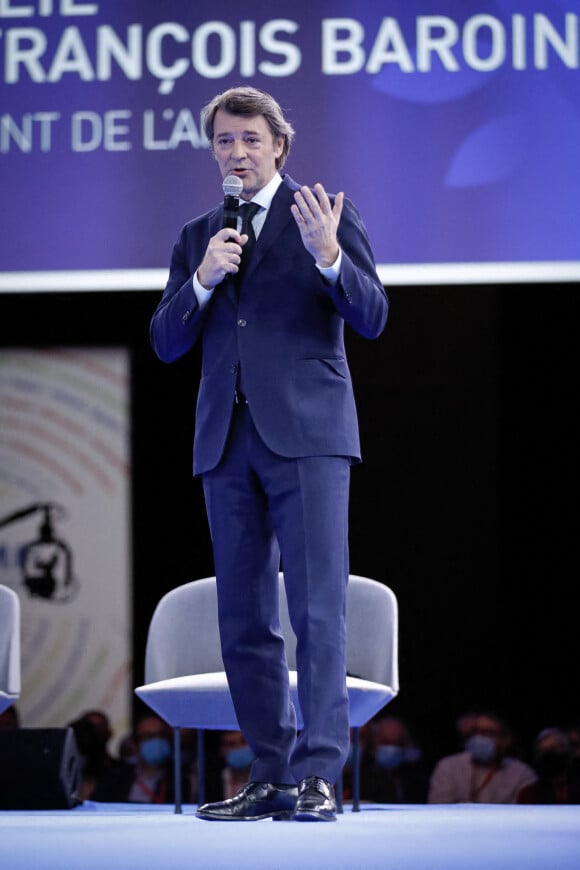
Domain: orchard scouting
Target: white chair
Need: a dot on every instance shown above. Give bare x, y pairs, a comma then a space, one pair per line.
185, 680
9, 647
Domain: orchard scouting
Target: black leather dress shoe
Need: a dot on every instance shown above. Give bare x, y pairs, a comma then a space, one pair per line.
256, 800
316, 801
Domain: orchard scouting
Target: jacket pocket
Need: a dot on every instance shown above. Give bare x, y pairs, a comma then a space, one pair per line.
317, 366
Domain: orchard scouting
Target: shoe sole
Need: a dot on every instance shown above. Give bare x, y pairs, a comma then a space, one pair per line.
276, 817
304, 816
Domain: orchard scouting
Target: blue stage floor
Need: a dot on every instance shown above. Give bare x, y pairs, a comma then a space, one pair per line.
133, 837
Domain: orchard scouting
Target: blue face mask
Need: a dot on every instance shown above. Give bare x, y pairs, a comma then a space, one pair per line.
389, 756
156, 750
239, 758
481, 748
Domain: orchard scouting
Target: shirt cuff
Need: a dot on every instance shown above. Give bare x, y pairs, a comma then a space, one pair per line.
331, 273
203, 295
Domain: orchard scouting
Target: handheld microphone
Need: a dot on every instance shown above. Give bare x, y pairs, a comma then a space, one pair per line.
232, 187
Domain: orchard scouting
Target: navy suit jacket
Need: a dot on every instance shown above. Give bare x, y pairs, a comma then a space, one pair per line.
285, 330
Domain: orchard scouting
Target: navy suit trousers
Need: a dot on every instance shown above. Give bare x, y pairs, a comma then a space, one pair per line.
262, 509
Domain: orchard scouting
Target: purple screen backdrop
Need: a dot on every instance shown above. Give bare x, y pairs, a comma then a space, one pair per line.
455, 127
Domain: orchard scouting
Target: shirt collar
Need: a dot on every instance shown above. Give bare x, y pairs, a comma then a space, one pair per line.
265, 196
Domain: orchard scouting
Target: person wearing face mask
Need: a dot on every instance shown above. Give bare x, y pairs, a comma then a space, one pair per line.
552, 759
92, 733
392, 771
152, 780
104, 777
237, 758
484, 772
348, 769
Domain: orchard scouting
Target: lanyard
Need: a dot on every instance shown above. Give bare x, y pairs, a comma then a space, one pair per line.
476, 790
156, 796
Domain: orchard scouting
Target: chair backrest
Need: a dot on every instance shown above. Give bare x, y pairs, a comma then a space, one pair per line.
9, 647
372, 639
183, 636
372, 632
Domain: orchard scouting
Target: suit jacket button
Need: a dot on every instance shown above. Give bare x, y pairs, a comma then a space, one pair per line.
233, 368
242, 322
185, 317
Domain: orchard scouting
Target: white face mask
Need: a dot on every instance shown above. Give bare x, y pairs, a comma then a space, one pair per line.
481, 748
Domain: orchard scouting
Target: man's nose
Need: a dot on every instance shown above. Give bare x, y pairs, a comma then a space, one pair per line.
239, 149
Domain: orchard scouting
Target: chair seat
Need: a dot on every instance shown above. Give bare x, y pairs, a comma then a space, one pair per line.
204, 700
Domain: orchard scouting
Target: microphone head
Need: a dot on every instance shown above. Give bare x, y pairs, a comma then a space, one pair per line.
232, 185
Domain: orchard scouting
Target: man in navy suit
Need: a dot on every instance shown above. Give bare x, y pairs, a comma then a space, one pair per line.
276, 432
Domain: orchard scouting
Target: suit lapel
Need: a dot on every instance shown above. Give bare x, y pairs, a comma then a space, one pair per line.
216, 219
279, 216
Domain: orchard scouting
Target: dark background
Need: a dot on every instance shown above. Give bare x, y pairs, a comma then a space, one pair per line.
465, 504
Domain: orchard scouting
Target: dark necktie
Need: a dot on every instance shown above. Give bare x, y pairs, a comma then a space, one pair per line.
247, 212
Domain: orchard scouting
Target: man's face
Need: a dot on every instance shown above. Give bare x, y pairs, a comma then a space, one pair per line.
245, 147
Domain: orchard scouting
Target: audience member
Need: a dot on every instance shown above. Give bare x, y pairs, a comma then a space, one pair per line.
573, 732
128, 749
558, 782
145, 775
485, 772
465, 726
92, 732
347, 772
188, 743
392, 771
9, 718
237, 758
153, 779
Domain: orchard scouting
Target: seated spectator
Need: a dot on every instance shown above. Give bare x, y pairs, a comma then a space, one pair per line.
558, 782
347, 772
92, 732
188, 743
573, 732
237, 758
9, 718
485, 772
153, 778
465, 726
146, 775
128, 749
392, 771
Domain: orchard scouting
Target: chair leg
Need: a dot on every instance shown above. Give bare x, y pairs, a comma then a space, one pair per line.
355, 771
177, 768
200, 767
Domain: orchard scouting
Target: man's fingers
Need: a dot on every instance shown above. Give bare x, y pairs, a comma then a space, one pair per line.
315, 203
226, 234
302, 204
297, 213
323, 199
337, 207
